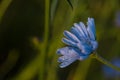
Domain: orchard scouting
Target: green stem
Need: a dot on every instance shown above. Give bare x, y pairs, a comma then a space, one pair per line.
101, 59
45, 42
47, 14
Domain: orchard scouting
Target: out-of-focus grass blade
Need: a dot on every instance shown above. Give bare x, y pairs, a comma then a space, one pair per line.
3, 7
45, 42
52, 64
69, 2
9, 63
31, 69
53, 8
82, 70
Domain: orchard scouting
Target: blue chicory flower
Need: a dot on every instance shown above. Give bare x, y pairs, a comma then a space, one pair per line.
81, 41
109, 72
117, 19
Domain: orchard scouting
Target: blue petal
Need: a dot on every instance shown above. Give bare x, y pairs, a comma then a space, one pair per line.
70, 54
84, 47
83, 57
69, 57
84, 29
94, 45
71, 36
78, 34
79, 28
67, 62
62, 58
63, 51
91, 28
68, 42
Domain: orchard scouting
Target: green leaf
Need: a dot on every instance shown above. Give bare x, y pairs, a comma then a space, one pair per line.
69, 2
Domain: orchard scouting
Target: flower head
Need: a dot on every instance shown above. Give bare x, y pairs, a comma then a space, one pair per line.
81, 41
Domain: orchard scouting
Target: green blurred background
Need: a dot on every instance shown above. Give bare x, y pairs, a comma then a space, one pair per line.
31, 32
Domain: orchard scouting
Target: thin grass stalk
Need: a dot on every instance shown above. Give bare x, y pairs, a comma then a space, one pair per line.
3, 7
45, 42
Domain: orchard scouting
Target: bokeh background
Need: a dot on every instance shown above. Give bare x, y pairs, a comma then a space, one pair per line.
31, 32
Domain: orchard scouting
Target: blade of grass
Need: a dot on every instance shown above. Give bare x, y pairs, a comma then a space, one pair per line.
3, 7
9, 63
53, 8
45, 42
30, 70
52, 68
